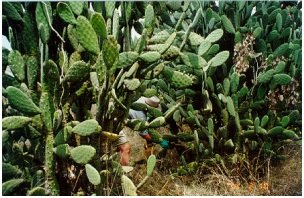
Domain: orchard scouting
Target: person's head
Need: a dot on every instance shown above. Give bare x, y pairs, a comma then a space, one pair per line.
153, 101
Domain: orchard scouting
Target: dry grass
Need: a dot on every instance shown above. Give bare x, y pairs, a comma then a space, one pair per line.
284, 178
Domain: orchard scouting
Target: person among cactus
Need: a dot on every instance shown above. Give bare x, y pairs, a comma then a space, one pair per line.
123, 145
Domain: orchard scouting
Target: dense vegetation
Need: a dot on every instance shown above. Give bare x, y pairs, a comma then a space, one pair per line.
231, 71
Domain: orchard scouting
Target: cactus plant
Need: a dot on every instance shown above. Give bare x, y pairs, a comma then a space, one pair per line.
87, 127
92, 174
83, 154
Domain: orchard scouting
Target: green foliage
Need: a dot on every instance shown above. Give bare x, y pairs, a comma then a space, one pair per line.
110, 53
215, 35
181, 80
86, 35
266, 77
92, 174
76, 7
15, 122
83, 154
151, 164
65, 13
9, 171
37, 191
10, 11
17, 65
128, 186
87, 127
219, 59
9, 186
79, 71
227, 24
99, 25
62, 150
150, 57
20, 101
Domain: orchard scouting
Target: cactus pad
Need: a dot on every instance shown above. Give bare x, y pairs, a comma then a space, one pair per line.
76, 6
204, 47
168, 43
280, 68
284, 121
281, 79
226, 86
32, 66
79, 71
127, 59
157, 122
264, 120
193, 60
229, 144
281, 50
87, 127
210, 126
20, 101
9, 171
230, 106
289, 134
257, 32
151, 164
43, 16
15, 122
110, 7
275, 131
149, 16
9, 186
63, 136
160, 37
219, 59
30, 34
215, 35
17, 65
99, 25
227, 24
110, 53
65, 12
234, 82
128, 186
150, 57
181, 80
150, 92
86, 35
294, 116
62, 150
154, 112
83, 154
138, 106
10, 11
37, 191
132, 84
92, 174
71, 32
185, 137
266, 77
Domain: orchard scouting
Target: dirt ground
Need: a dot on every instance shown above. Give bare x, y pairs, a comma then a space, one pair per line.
283, 179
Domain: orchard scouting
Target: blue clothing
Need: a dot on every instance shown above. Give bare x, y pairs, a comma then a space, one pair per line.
164, 144
139, 114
